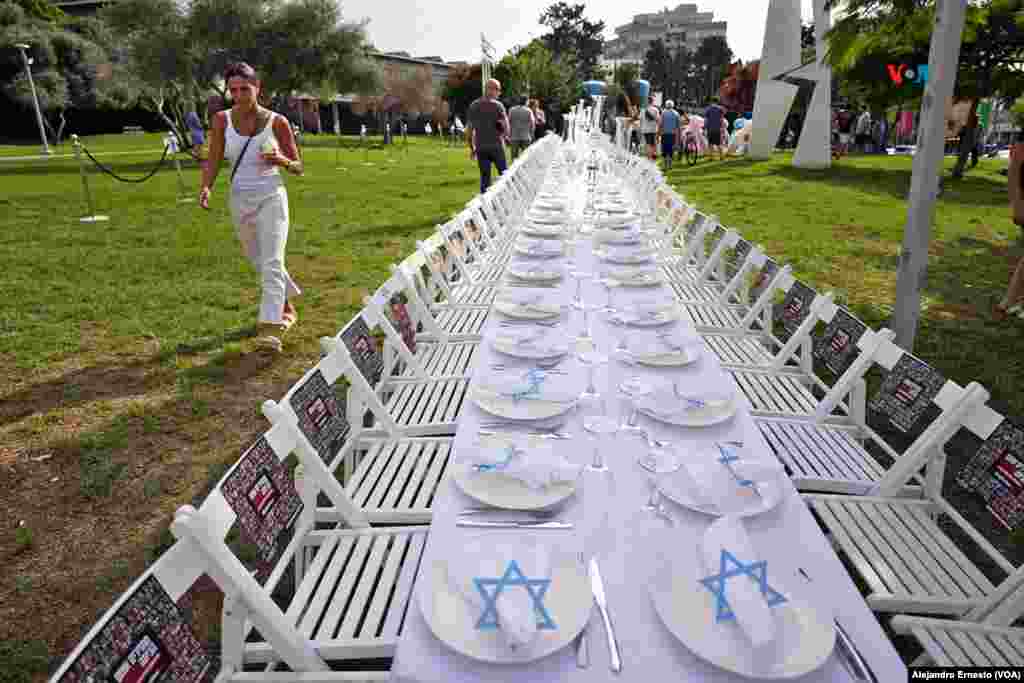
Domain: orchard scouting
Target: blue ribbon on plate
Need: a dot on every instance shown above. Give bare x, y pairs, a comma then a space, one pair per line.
534, 379
510, 454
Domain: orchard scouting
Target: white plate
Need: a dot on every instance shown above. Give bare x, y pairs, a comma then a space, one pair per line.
496, 490
677, 490
524, 251
625, 258
543, 230
527, 409
696, 417
528, 311
547, 218
669, 315
804, 636
669, 359
534, 274
453, 620
528, 351
647, 279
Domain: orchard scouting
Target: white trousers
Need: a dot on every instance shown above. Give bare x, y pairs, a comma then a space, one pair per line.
261, 221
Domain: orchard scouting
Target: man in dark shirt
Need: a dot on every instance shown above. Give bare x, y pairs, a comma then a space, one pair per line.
488, 129
714, 117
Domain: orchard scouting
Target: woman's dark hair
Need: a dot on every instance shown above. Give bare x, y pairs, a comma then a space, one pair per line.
240, 69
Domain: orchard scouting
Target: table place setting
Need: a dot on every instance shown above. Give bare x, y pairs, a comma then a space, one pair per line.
646, 314
626, 255
721, 479
537, 248
527, 306
527, 395
547, 217
636, 276
628, 236
510, 601
734, 610
530, 343
538, 274
544, 230
669, 348
700, 408
516, 471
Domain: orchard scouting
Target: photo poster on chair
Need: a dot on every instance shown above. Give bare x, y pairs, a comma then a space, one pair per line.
398, 315
906, 393
147, 639
793, 310
364, 350
321, 414
261, 491
836, 349
996, 474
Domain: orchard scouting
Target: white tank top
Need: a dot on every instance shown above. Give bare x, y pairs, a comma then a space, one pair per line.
254, 174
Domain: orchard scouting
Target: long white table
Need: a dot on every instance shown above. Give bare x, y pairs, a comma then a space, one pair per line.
787, 537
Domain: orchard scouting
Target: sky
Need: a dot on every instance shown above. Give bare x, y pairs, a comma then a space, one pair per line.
451, 28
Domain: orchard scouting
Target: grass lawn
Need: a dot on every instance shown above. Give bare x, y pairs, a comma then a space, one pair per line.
125, 381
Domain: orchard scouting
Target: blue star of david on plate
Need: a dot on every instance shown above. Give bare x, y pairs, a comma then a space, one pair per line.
758, 571
513, 576
729, 457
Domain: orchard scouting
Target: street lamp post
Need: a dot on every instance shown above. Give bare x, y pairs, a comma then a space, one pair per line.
31, 84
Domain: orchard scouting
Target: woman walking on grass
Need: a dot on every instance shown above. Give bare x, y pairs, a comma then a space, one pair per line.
257, 142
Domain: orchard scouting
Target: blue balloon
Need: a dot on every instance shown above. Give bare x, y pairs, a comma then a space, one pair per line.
593, 88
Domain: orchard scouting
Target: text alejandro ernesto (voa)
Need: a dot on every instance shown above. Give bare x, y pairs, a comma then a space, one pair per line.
965, 674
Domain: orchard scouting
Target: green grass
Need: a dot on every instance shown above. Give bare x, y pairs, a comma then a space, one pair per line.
174, 272
841, 229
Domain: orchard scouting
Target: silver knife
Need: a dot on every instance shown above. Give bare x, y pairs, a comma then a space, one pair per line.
512, 524
851, 657
597, 586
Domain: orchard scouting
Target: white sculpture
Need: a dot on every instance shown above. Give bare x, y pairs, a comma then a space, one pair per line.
781, 53
815, 147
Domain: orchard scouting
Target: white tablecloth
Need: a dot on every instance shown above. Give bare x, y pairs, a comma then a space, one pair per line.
787, 537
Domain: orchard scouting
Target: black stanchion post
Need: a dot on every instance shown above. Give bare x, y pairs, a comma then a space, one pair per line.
92, 216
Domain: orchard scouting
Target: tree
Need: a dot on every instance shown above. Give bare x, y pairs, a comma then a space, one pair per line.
873, 34
657, 66
573, 39
464, 84
711, 63
533, 71
176, 52
68, 59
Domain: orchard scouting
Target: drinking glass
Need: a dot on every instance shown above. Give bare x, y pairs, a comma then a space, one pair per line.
591, 359
609, 285
579, 276
600, 425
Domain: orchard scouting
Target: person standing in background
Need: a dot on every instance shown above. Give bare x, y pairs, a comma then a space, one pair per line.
668, 127
488, 128
521, 122
714, 118
649, 129
863, 128
540, 121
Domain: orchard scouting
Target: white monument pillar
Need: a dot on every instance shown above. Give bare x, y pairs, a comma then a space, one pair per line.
781, 53
815, 147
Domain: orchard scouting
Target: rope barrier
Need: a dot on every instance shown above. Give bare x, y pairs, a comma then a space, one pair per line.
143, 179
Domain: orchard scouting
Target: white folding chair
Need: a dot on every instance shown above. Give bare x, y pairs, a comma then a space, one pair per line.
352, 585
411, 407
440, 323
389, 479
446, 276
388, 310
898, 545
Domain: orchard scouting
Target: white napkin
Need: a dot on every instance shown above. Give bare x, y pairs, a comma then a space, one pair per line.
644, 313
533, 272
535, 464
753, 615
530, 340
517, 386
628, 236
484, 558
707, 481
671, 343
547, 247
664, 403
628, 254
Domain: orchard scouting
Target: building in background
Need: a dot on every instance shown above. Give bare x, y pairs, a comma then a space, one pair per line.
681, 27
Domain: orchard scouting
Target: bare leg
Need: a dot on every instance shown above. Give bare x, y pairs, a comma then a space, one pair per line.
1015, 292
